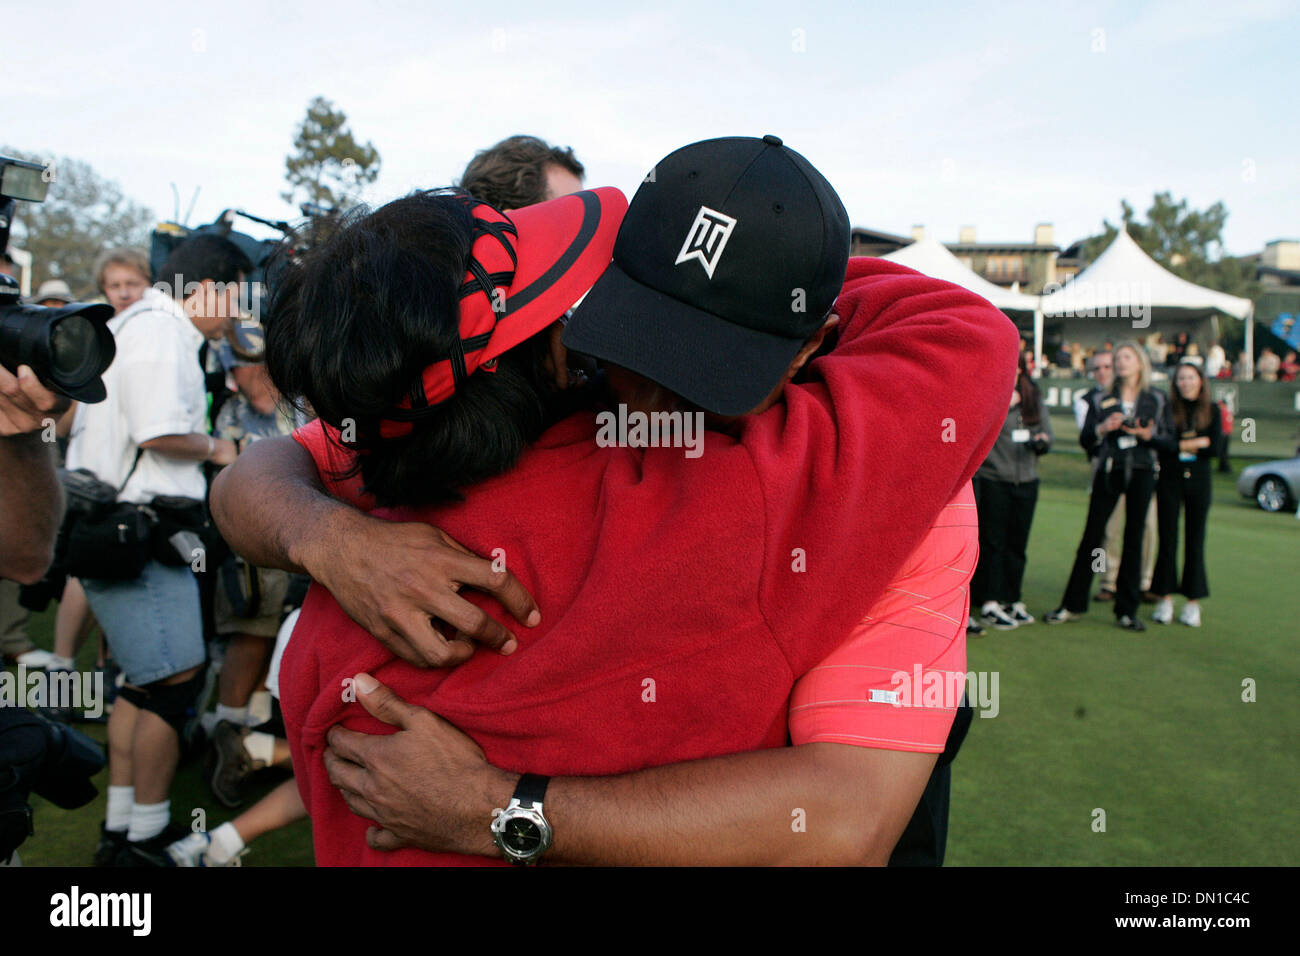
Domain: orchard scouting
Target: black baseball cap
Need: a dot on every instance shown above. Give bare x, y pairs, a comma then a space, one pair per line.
730, 257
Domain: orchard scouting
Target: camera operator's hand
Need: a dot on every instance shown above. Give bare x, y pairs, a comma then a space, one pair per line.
1141, 431
392, 579
1113, 422
26, 404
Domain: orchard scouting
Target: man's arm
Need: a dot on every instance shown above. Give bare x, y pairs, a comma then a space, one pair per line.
31, 500
272, 508
429, 785
255, 385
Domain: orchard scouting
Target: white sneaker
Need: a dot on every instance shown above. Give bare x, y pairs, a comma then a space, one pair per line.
189, 851
1164, 611
1019, 613
35, 659
993, 615
1191, 615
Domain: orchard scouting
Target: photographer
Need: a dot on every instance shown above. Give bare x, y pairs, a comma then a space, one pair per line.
1124, 429
1006, 492
148, 441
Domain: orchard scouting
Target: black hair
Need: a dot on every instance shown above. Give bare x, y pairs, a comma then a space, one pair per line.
204, 257
352, 325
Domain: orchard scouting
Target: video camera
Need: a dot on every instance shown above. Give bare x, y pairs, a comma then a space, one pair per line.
68, 347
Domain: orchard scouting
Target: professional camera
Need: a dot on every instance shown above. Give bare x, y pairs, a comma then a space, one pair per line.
69, 347
39, 756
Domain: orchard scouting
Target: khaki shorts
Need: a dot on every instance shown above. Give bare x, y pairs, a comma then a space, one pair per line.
274, 586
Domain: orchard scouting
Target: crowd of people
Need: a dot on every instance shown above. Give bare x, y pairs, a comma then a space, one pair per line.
1073, 359
1151, 456
691, 642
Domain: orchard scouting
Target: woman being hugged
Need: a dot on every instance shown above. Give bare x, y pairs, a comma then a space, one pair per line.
1185, 482
1126, 428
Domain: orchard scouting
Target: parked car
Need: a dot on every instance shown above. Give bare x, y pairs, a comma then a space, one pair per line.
1273, 484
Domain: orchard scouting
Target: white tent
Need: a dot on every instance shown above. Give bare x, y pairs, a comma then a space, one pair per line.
930, 257
1124, 282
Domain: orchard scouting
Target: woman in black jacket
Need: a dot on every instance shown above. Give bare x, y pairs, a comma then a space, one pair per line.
1185, 461
1125, 427
1006, 492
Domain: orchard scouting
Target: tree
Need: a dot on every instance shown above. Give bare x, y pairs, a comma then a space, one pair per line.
328, 166
82, 215
1187, 242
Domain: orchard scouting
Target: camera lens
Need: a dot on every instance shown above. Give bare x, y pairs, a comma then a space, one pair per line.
72, 341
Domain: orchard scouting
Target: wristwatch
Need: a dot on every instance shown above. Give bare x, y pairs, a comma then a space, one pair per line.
521, 831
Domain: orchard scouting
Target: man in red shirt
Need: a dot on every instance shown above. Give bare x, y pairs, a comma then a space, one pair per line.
912, 329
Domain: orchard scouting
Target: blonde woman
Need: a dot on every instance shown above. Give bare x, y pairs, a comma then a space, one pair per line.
1125, 428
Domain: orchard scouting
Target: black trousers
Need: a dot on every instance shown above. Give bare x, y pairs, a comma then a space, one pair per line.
1105, 494
1184, 485
1006, 512
925, 838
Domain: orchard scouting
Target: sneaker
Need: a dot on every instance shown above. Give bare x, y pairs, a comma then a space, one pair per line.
1019, 613
993, 615
152, 852
973, 627
1130, 623
190, 850
229, 764
35, 659
1191, 615
1060, 616
1105, 594
1164, 612
111, 843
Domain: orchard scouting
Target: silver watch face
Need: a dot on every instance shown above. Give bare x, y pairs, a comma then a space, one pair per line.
522, 834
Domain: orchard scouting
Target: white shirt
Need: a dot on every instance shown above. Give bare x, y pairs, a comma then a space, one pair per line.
155, 388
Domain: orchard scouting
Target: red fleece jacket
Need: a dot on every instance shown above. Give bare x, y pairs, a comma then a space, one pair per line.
682, 597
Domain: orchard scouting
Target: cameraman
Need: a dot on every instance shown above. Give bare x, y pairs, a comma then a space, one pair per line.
149, 439
31, 501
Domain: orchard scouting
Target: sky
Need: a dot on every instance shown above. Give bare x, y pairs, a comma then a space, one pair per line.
997, 115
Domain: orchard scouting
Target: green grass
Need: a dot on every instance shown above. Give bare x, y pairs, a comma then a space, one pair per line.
1149, 727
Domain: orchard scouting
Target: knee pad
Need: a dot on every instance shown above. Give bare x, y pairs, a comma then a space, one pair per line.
174, 703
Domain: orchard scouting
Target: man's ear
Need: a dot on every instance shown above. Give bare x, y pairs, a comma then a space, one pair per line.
811, 346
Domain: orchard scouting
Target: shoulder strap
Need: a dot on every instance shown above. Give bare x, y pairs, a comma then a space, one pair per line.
138, 452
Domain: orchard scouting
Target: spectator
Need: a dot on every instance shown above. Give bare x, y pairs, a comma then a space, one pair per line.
53, 293
1289, 367
1185, 483
1225, 429
122, 275
1268, 365
1157, 348
1215, 360
1123, 428
1193, 355
520, 171
1006, 491
148, 439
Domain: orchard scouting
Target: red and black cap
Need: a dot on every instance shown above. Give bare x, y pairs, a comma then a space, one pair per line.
730, 257
526, 269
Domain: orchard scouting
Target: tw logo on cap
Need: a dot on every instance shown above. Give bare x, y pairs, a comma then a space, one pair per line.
706, 239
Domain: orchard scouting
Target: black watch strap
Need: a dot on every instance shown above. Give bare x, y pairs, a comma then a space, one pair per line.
531, 790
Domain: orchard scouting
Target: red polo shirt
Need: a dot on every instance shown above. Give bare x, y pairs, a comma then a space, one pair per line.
683, 596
